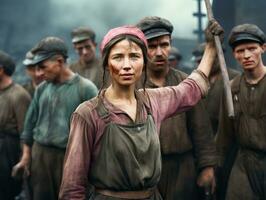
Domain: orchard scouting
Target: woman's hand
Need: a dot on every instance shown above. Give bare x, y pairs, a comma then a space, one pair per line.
213, 28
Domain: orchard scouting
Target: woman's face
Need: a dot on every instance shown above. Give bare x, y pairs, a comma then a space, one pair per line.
125, 63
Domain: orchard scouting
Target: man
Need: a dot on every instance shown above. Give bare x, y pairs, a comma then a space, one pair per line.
174, 58
247, 129
14, 102
187, 138
46, 127
212, 101
35, 76
88, 65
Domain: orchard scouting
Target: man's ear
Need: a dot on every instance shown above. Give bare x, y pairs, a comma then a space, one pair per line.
60, 60
264, 47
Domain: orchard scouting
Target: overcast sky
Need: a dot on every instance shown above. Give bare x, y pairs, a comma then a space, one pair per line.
105, 14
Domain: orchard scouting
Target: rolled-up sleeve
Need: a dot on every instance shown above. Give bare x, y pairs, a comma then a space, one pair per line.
77, 159
202, 81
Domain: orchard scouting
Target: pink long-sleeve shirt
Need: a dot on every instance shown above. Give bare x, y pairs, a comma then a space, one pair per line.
87, 128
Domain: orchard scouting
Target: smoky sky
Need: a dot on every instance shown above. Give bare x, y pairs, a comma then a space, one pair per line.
101, 15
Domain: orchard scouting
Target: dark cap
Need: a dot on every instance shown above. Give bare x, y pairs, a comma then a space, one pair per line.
47, 48
155, 26
174, 54
28, 59
82, 33
246, 33
7, 63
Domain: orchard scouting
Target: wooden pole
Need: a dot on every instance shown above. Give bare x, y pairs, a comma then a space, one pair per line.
227, 88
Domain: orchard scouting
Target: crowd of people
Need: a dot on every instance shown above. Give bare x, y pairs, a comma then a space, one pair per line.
132, 124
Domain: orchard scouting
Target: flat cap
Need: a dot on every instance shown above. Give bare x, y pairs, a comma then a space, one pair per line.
246, 32
28, 59
82, 33
7, 63
155, 26
47, 48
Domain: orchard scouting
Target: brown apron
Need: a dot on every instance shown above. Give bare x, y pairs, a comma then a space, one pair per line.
129, 161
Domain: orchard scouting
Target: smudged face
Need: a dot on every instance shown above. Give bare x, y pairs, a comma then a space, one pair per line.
125, 63
86, 50
249, 55
158, 52
50, 70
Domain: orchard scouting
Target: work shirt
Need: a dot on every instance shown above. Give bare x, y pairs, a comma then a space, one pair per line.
241, 142
187, 146
92, 71
30, 88
213, 99
248, 128
14, 102
47, 121
87, 127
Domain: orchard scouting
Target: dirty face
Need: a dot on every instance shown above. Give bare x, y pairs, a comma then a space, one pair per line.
249, 55
125, 63
86, 50
158, 52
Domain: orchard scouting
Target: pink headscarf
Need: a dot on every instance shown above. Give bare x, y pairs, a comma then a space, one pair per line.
127, 30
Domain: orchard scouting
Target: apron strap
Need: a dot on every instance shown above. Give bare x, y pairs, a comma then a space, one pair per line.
144, 99
101, 110
104, 113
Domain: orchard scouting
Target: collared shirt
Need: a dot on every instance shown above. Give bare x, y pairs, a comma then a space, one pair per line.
14, 102
47, 120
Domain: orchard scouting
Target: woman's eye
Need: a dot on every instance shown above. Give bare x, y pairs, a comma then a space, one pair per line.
117, 58
252, 49
135, 56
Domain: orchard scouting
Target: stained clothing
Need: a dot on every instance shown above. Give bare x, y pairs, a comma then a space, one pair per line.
14, 102
247, 131
92, 71
88, 131
47, 121
213, 99
47, 128
187, 146
141, 155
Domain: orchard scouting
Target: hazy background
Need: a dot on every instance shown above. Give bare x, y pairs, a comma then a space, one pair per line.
25, 22
104, 14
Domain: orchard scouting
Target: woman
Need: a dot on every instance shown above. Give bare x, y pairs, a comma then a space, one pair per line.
114, 142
